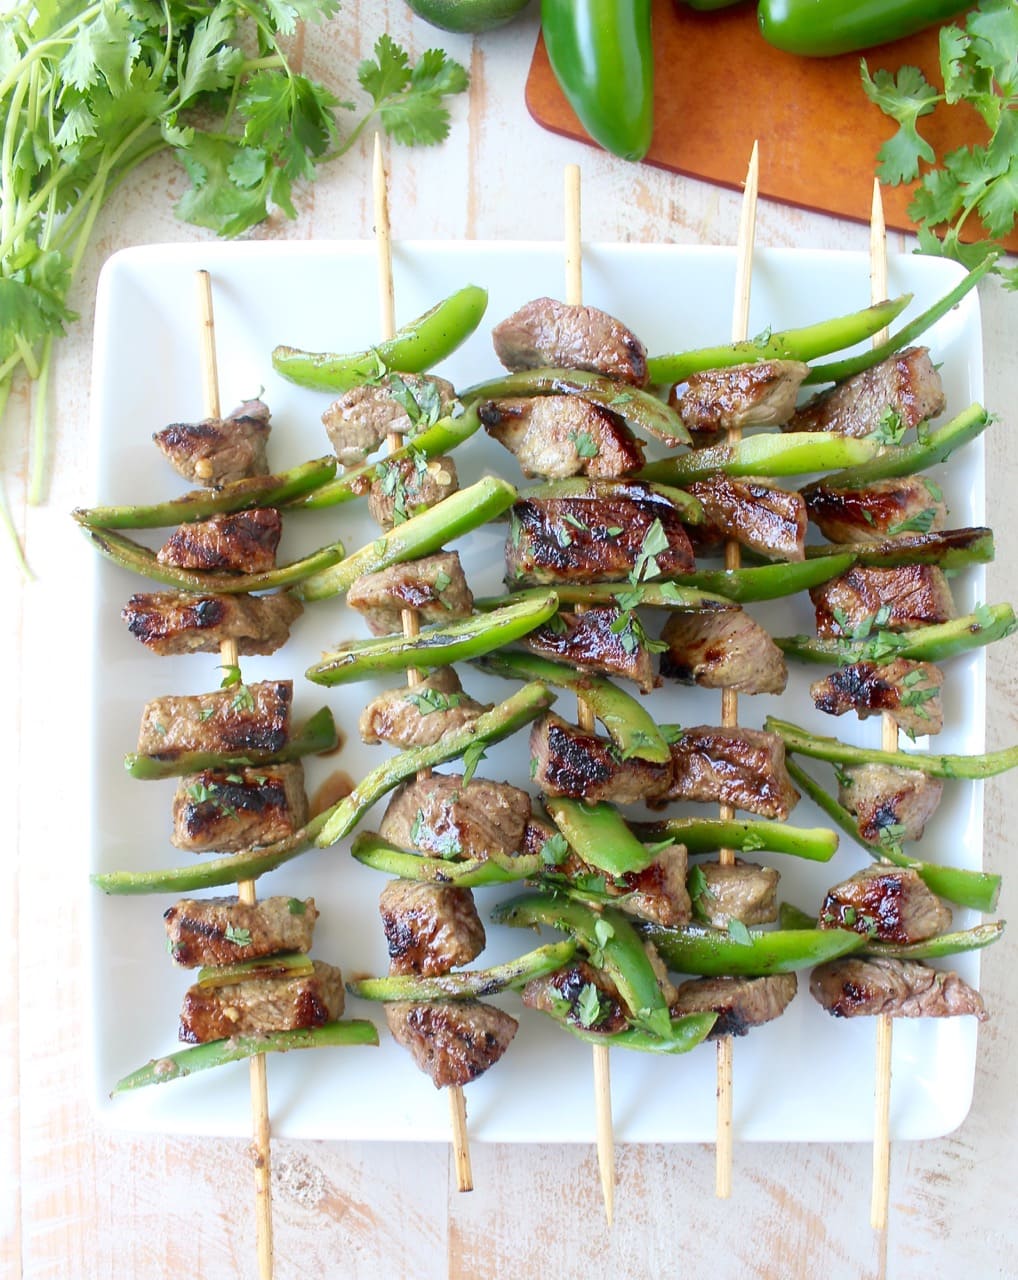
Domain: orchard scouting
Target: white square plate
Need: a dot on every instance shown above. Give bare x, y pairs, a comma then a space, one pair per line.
806, 1075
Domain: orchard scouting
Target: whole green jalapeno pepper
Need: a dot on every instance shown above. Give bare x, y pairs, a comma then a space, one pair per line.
822, 28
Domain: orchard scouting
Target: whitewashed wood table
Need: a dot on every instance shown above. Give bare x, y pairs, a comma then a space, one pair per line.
79, 1202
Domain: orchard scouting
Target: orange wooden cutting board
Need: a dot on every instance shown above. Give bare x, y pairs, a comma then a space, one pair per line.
719, 85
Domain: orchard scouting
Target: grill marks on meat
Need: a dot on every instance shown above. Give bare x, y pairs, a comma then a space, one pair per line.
568, 761
250, 717
906, 597
744, 768
403, 489
852, 987
905, 384
745, 395
219, 450
909, 691
452, 1041
170, 623
435, 586
419, 716
227, 811
360, 419
600, 640
218, 931
585, 996
561, 436
740, 1003
429, 928
891, 904
657, 893
889, 803
262, 1005
877, 512
440, 815
743, 891
755, 513
727, 650
545, 332
243, 542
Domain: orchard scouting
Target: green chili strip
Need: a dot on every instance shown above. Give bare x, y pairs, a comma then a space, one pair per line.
945, 944
655, 595
599, 836
219, 1052
766, 454
684, 1034
283, 964
707, 952
465, 984
791, 917
705, 835
767, 581
463, 873
414, 347
951, 549
690, 509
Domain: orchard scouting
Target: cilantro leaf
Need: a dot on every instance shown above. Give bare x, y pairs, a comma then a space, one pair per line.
905, 97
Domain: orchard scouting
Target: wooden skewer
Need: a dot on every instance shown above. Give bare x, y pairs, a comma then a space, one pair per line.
411, 619
228, 658
729, 697
585, 719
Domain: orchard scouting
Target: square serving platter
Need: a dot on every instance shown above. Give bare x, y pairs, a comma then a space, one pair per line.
804, 1077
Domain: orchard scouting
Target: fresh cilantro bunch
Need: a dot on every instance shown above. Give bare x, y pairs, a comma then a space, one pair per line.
979, 65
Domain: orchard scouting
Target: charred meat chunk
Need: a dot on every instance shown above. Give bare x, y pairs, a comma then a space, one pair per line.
657, 893
885, 509
452, 1041
217, 931
219, 450
891, 904
889, 803
262, 1005
228, 811
854, 987
241, 542
744, 891
434, 586
909, 691
429, 928
360, 419
419, 716
606, 640
726, 650
545, 332
900, 392
168, 622
744, 768
744, 395
406, 486
246, 717
581, 995
561, 436
740, 1003
899, 599
442, 815
568, 761
754, 513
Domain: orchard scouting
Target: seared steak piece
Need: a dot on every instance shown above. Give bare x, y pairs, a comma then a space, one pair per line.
606, 640
358, 422
403, 488
419, 716
744, 768
909, 690
228, 811
888, 903
429, 928
585, 996
598, 539
744, 395
740, 1003
244, 717
262, 1005
728, 650
439, 815
549, 333
744, 891
905, 385
452, 1041
168, 622
755, 513
434, 586
567, 761
885, 509
244, 542
216, 931
853, 987
889, 803
218, 450
560, 436
657, 893
901, 599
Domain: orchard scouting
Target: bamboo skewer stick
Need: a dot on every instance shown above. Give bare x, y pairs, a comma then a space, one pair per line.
411, 620
729, 697
585, 719
228, 657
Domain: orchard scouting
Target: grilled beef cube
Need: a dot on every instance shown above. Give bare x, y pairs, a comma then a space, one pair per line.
602, 640
262, 1005
585, 996
900, 599
403, 489
597, 539
358, 422
744, 395
909, 691
755, 513
228, 811
560, 436
219, 450
429, 928
885, 509
419, 716
452, 1041
744, 768
853, 987
442, 815
217, 931
568, 761
744, 891
905, 385
247, 717
889, 803
727, 650
536, 835
740, 1003
168, 622
657, 893
244, 542
434, 586
891, 904
545, 332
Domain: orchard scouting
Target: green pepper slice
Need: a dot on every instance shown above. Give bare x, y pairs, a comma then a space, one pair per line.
467, 984
463, 873
707, 952
950, 549
705, 835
